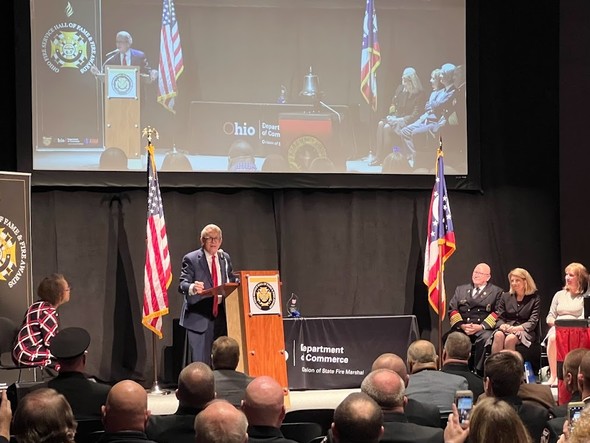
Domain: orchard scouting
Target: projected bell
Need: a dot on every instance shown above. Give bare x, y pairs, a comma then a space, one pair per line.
311, 85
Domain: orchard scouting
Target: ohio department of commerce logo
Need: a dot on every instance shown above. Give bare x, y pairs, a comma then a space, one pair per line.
264, 296
68, 45
13, 252
122, 84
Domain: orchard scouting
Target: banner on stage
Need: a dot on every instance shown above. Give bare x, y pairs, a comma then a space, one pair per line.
264, 294
16, 279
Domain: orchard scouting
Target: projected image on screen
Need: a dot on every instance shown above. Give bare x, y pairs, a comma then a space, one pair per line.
330, 86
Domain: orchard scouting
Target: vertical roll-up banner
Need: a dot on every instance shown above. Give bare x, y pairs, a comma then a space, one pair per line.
16, 277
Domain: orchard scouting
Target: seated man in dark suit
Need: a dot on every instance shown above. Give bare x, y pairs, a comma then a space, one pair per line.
85, 395
424, 414
264, 406
503, 375
196, 388
230, 384
387, 389
427, 383
456, 354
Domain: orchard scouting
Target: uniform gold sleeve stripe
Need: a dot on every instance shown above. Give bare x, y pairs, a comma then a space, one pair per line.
455, 318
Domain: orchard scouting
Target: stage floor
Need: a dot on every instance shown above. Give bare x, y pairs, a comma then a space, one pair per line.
312, 399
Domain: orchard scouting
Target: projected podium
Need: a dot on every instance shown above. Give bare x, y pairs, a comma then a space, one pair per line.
254, 320
122, 109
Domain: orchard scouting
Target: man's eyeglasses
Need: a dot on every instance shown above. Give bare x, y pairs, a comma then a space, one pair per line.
212, 239
480, 273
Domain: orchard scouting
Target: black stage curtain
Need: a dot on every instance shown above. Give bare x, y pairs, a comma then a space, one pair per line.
343, 253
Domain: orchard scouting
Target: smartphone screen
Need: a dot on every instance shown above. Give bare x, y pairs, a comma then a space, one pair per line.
574, 410
464, 402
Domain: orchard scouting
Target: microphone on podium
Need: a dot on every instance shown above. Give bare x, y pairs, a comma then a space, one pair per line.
108, 54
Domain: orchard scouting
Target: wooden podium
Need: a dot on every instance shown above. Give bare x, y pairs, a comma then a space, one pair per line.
122, 109
253, 321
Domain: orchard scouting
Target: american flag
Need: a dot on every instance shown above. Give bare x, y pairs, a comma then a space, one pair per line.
370, 56
440, 244
158, 271
171, 63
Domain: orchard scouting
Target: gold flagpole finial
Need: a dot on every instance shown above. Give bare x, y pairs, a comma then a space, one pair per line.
150, 132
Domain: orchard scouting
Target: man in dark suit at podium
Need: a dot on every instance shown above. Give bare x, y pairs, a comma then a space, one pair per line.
202, 316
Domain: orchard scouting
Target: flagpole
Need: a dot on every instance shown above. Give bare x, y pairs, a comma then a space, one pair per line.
440, 305
149, 133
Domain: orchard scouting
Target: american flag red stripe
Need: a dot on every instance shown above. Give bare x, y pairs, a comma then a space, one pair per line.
370, 56
158, 269
440, 243
171, 62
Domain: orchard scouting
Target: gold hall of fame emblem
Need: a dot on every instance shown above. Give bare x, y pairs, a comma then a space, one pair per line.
8, 259
264, 296
304, 150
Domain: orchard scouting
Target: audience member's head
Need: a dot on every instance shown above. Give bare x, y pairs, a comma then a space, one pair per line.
357, 419
69, 348
503, 374
584, 375
421, 355
581, 430
221, 422
54, 289
457, 347
322, 164
387, 388
275, 163
176, 161
571, 364
196, 385
44, 415
113, 159
393, 362
396, 163
241, 157
225, 353
264, 402
126, 408
495, 421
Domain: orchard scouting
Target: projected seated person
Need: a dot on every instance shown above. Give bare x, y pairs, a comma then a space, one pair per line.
435, 119
125, 55
406, 105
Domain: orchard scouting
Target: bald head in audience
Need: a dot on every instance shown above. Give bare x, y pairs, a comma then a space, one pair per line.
357, 419
221, 422
196, 386
264, 402
387, 388
126, 408
392, 362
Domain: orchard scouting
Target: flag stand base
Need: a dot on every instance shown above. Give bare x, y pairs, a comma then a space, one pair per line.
156, 390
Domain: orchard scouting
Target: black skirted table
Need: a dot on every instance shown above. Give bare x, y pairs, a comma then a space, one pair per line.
337, 352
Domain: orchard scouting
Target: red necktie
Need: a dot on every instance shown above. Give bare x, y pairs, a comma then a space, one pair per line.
215, 283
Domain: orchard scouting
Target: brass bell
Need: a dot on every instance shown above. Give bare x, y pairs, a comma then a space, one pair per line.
311, 85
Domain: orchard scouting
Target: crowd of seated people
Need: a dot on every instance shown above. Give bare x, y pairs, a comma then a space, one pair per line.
378, 411
409, 398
